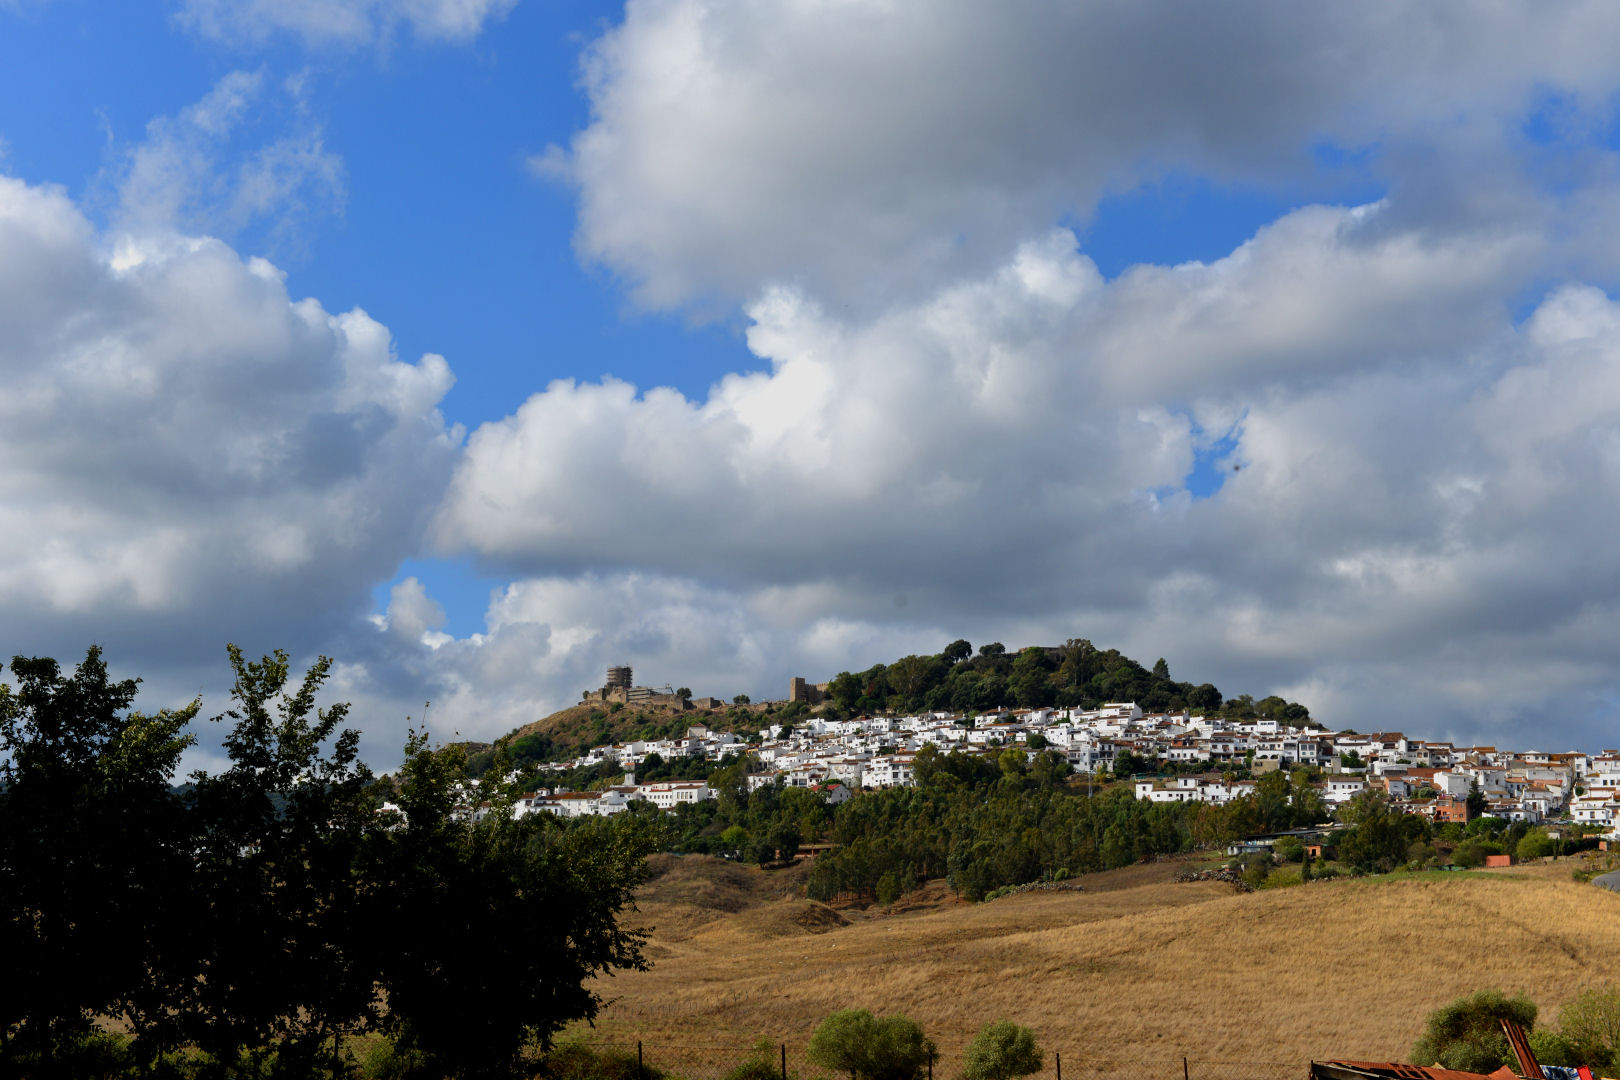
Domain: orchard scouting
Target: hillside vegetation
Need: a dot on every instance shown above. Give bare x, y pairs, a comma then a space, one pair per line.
1137, 967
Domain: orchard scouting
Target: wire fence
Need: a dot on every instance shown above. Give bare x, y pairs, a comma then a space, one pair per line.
784, 1061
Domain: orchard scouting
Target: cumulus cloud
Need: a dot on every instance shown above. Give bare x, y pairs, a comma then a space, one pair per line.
190, 455
869, 151
1411, 515
341, 23
999, 412
548, 638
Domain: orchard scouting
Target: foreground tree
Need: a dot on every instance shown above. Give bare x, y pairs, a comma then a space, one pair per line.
273, 909
454, 884
93, 860
279, 839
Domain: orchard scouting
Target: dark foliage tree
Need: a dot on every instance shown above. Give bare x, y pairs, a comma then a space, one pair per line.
93, 861
1380, 835
273, 908
279, 836
451, 884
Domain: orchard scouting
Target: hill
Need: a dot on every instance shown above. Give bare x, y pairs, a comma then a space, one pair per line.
1073, 674
1136, 968
570, 732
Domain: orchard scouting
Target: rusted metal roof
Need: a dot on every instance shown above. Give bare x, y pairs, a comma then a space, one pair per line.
1396, 1070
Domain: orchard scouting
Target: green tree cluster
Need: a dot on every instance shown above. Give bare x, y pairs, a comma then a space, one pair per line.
1381, 837
258, 915
984, 823
1074, 674
763, 825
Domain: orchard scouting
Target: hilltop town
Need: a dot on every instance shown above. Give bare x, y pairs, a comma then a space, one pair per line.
1174, 757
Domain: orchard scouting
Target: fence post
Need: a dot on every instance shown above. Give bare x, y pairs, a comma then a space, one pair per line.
641, 1070
784, 1061
1184, 1074
1058, 1058
930, 1065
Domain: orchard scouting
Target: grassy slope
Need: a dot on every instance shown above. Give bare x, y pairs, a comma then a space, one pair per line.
1137, 967
580, 727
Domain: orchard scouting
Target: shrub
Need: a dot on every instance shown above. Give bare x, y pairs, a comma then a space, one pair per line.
1467, 1034
762, 1064
1591, 1022
1554, 1048
1256, 868
1002, 1051
870, 1047
577, 1061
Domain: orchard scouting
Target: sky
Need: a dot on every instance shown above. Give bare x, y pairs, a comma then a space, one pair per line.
481, 344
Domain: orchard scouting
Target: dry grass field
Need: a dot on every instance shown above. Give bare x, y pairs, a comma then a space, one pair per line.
1136, 967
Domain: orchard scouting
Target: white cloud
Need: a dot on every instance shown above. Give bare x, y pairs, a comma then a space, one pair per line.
867, 151
343, 23
185, 175
1414, 516
190, 456
549, 638
1033, 401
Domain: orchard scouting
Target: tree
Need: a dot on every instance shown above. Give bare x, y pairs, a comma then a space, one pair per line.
278, 851
1476, 800
1161, 670
912, 676
742, 699
684, 693
871, 1047
1535, 844
1002, 1051
449, 887
957, 651
1467, 1033
95, 868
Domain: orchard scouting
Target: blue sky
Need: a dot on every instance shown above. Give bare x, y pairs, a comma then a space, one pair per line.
784, 340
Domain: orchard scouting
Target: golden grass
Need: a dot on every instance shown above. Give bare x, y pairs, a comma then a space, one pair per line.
1135, 967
